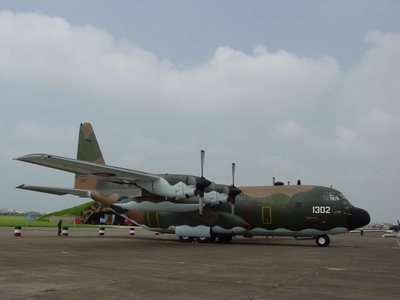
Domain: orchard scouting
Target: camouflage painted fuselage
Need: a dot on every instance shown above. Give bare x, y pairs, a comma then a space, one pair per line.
297, 210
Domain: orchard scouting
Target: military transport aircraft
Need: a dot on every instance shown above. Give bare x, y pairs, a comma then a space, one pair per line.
193, 207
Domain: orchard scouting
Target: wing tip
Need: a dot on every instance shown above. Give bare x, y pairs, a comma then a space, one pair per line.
32, 156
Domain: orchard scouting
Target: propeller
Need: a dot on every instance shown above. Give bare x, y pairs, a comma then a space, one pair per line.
201, 184
233, 192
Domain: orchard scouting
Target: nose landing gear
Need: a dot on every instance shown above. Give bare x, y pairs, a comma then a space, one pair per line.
322, 240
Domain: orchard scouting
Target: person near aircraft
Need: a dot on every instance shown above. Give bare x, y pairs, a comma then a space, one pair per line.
59, 225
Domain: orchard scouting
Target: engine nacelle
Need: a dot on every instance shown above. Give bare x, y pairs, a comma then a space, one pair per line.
161, 187
181, 190
215, 198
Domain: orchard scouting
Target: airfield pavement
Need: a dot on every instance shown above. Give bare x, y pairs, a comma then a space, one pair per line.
39, 264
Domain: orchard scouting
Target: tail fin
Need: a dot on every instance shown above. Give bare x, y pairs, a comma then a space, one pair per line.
88, 150
88, 147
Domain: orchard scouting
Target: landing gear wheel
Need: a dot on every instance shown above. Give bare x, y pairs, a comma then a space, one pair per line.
225, 238
322, 240
186, 239
202, 239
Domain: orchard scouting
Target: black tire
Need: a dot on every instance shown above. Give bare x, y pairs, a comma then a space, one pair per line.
322, 240
186, 239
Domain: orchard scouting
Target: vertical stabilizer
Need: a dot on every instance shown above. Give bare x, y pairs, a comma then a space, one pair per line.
88, 147
88, 150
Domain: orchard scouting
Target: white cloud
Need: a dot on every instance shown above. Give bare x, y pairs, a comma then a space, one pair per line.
50, 51
270, 83
289, 130
42, 133
374, 134
283, 169
374, 83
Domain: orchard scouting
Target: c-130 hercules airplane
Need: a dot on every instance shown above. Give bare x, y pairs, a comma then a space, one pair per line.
193, 207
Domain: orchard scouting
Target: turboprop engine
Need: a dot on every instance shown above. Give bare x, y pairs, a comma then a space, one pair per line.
177, 187
172, 186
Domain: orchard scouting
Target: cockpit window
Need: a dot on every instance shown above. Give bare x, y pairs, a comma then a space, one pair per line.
333, 196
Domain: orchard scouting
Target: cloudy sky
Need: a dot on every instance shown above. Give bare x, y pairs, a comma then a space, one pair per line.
287, 89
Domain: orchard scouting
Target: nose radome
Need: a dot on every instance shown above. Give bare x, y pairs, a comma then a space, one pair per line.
357, 217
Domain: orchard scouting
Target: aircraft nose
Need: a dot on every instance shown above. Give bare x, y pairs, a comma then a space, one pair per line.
357, 217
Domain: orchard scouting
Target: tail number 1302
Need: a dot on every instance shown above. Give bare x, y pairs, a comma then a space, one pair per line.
321, 209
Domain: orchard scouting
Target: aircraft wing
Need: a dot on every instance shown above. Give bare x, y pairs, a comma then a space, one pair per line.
56, 191
105, 172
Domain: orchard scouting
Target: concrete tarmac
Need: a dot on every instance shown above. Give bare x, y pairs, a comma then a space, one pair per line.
39, 264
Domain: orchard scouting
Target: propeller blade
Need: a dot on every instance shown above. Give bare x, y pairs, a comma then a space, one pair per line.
233, 192
201, 203
201, 183
233, 174
202, 154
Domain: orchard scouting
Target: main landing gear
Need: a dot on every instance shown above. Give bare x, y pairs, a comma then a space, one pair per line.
322, 240
186, 239
221, 239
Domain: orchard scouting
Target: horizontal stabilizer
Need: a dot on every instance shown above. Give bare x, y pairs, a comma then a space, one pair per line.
56, 191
